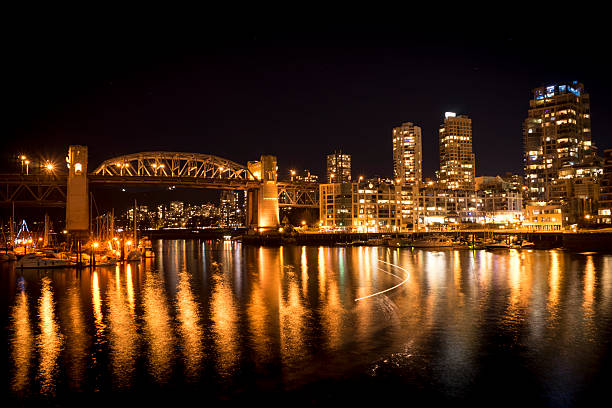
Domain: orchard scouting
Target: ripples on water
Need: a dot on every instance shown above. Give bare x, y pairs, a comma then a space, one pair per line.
224, 321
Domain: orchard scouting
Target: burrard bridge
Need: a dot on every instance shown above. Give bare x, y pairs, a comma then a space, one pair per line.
265, 194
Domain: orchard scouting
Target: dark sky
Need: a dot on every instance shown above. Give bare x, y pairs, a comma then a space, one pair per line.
297, 93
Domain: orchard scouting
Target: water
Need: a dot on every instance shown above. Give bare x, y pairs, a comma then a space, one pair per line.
212, 322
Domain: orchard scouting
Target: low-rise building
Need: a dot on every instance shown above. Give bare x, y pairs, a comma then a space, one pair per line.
543, 217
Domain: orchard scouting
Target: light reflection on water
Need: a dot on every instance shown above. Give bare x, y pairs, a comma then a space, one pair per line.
209, 313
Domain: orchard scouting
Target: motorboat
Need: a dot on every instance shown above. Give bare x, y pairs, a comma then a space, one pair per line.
43, 260
433, 242
527, 244
358, 243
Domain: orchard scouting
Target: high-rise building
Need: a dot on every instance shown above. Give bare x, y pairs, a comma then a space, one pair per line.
230, 209
338, 167
457, 163
557, 136
407, 154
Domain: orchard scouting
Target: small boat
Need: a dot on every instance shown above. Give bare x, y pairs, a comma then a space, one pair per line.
375, 242
433, 242
40, 260
358, 243
477, 245
497, 245
527, 244
398, 242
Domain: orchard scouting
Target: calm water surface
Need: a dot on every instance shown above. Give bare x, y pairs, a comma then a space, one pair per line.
211, 322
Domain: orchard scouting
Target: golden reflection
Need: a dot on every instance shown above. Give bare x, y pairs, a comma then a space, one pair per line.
321, 260
554, 277
158, 327
588, 293
21, 340
457, 269
123, 334
130, 288
304, 260
49, 340
77, 338
263, 308
332, 310
97, 304
225, 321
293, 315
513, 314
190, 328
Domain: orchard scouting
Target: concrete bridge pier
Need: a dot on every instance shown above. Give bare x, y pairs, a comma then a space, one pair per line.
262, 211
77, 194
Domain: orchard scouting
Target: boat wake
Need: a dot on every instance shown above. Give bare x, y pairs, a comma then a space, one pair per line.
391, 288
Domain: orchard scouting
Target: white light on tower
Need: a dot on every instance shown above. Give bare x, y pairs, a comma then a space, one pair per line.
449, 115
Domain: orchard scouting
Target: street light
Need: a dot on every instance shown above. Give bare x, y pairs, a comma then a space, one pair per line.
23, 158
27, 163
292, 174
49, 167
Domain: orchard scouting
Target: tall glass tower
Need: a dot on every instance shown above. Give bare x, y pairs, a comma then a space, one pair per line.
557, 136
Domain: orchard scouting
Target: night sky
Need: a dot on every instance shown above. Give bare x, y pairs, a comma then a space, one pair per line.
297, 93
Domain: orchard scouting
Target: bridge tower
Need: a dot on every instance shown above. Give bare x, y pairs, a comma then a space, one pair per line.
77, 197
262, 211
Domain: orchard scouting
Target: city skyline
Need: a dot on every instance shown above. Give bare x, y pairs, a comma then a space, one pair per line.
298, 98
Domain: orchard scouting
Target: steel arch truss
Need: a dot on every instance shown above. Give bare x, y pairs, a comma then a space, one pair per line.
298, 195
174, 165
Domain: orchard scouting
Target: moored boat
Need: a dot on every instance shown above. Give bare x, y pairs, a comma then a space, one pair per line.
398, 242
375, 242
40, 260
433, 242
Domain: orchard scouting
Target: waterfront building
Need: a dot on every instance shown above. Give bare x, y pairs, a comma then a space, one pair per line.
457, 162
378, 205
604, 211
543, 217
407, 154
336, 206
557, 136
338, 167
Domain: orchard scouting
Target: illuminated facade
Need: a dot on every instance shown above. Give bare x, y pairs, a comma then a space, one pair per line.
379, 206
604, 212
457, 162
338, 167
543, 217
557, 136
407, 154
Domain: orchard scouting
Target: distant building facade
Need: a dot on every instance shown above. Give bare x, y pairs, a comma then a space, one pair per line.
407, 154
338, 167
457, 161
